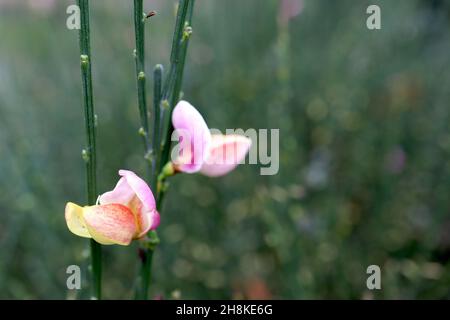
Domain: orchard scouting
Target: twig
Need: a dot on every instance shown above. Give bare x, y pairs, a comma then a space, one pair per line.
89, 154
139, 21
157, 96
172, 86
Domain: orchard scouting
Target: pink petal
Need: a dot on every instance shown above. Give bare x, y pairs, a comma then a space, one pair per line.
195, 135
133, 192
122, 193
145, 208
140, 188
110, 223
146, 219
225, 153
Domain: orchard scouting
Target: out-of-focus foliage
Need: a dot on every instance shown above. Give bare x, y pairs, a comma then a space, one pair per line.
364, 149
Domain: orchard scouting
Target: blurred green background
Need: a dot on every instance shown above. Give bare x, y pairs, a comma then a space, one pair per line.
364, 149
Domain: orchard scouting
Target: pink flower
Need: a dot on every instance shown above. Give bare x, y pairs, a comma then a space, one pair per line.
128, 212
212, 155
194, 136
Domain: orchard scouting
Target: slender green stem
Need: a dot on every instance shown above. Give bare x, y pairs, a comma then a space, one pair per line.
145, 251
96, 254
172, 87
176, 43
167, 171
89, 154
139, 21
146, 273
157, 95
183, 7
173, 83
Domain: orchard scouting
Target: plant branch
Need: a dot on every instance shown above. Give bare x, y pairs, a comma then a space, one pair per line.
139, 21
157, 96
170, 90
89, 154
172, 87
147, 246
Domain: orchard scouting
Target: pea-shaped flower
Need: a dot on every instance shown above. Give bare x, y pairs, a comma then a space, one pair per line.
199, 151
126, 213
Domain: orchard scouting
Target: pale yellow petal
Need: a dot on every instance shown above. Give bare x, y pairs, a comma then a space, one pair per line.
75, 221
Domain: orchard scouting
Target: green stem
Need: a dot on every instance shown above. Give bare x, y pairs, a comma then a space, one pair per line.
157, 95
96, 254
167, 171
89, 154
146, 251
139, 21
172, 87
146, 273
176, 44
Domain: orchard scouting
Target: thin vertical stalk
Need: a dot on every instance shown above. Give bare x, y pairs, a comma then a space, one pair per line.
139, 22
157, 96
146, 256
173, 81
170, 90
176, 43
89, 154
178, 59
145, 251
146, 273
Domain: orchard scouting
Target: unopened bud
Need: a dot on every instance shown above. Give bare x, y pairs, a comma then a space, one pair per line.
187, 32
84, 60
165, 104
168, 170
85, 155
